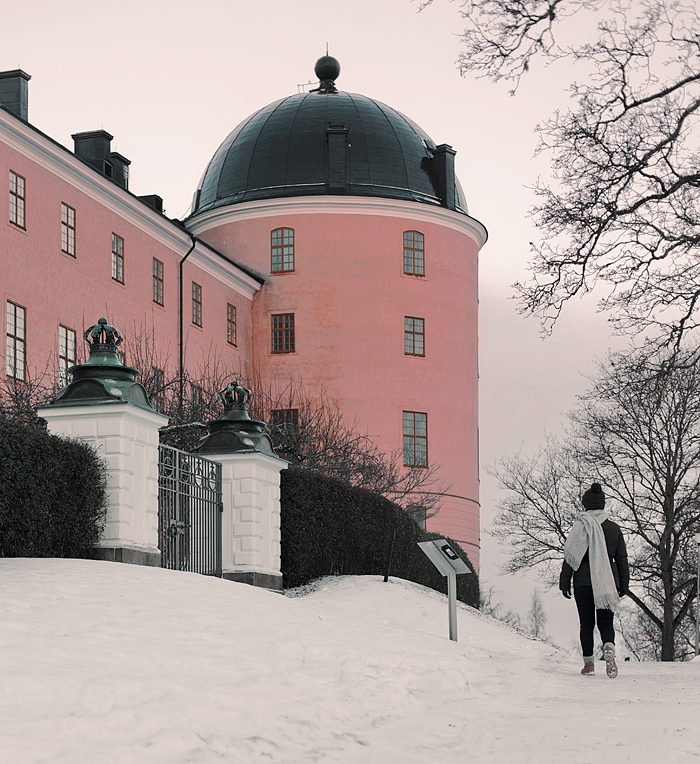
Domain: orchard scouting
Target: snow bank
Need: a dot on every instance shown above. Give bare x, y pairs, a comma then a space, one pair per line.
109, 663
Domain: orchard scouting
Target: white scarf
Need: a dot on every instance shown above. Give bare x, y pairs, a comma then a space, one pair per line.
587, 534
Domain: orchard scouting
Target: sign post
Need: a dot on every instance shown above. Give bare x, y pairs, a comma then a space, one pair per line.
449, 563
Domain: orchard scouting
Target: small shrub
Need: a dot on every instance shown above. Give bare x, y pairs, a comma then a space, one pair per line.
331, 528
52, 494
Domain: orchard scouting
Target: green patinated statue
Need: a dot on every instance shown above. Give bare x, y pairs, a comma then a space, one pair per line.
102, 333
235, 394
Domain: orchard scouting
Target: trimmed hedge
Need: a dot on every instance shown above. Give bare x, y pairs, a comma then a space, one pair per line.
52, 494
331, 528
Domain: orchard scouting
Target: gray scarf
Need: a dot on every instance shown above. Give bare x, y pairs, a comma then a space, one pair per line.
587, 534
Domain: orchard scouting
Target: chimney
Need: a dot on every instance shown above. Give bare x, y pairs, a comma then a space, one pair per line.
154, 201
444, 166
14, 92
94, 147
337, 136
120, 165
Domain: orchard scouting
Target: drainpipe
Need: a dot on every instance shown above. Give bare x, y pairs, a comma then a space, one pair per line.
182, 335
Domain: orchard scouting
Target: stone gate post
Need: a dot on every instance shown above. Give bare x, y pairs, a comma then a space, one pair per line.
251, 492
106, 407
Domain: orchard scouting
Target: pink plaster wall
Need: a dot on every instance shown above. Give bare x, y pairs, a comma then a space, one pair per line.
349, 296
348, 293
56, 288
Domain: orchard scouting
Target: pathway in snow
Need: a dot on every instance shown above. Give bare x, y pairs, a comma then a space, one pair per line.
116, 664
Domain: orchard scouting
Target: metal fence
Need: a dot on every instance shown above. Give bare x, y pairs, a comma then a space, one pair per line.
189, 512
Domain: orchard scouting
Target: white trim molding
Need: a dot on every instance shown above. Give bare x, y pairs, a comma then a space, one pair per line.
223, 270
62, 163
339, 205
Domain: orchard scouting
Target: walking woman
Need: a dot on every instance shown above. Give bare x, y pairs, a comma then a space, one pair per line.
596, 555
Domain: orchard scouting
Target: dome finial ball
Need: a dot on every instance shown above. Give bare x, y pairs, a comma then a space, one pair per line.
327, 68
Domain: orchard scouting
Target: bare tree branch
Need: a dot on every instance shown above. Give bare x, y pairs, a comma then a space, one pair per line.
621, 212
637, 431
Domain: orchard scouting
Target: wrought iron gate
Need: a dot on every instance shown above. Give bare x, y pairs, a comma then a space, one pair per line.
189, 512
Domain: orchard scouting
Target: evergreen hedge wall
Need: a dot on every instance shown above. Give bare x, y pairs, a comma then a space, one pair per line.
52, 494
331, 528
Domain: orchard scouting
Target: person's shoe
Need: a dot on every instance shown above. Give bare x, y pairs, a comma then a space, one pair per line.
609, 655
588, 669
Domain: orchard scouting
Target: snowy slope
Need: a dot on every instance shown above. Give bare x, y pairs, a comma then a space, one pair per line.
111, 663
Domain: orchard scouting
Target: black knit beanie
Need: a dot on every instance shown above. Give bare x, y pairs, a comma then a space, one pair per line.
594, 498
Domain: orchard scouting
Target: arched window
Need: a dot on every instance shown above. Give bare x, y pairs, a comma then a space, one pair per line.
413, 253
282, 250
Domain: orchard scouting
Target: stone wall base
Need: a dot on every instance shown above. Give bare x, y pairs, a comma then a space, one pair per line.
263, 580
128, 556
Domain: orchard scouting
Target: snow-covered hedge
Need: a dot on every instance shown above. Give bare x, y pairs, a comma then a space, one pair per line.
331, 528
52, 494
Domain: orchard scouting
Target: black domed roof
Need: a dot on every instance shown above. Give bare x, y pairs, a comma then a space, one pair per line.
283, 151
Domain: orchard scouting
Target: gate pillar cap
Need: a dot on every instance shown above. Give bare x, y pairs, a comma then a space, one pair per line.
103, 378
235, 431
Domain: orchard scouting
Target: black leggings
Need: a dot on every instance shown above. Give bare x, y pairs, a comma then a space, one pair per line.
587, 614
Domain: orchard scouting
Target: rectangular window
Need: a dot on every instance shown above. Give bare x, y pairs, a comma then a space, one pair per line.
196, 304
66, 353
415, 439
117, 258
157, 281
197, 394
18, 199
417, 514
158, 389
231, 324
282, 250
67, 229
414, 336
16, 348
284, 417
283, 333
413, 253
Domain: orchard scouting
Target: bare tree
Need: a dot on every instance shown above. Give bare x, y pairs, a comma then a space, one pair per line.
488, 606
20, 398
637, 431
309, 429
306, 426
536, 616
622, 215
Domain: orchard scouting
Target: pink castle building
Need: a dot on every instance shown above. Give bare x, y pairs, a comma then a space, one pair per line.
328, 242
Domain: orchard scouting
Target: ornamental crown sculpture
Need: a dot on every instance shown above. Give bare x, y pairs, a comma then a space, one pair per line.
235, 431
104, 377
102, 333
234, 395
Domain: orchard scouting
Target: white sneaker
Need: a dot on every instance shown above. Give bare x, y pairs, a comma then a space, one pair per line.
609, 655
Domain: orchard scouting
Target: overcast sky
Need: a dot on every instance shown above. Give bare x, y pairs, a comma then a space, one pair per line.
171, 79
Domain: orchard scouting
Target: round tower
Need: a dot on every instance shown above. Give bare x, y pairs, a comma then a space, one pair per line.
357, 223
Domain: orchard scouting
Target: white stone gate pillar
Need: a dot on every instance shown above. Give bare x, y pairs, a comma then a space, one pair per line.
250, 473
126, 437
105, 406
250, 529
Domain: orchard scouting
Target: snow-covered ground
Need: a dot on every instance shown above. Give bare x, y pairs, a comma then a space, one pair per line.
108, 663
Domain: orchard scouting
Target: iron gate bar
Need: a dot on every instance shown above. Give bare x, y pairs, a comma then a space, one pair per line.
189, 512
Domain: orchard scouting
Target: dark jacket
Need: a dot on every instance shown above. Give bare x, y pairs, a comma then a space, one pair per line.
617, 554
